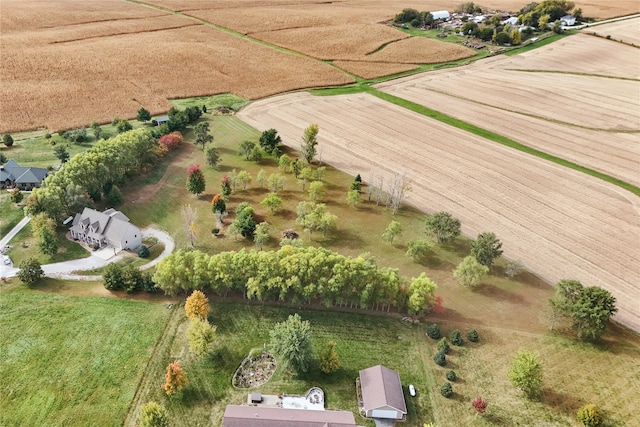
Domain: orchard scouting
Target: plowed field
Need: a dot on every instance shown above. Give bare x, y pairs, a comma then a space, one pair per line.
585, 116
625, 31
560, 223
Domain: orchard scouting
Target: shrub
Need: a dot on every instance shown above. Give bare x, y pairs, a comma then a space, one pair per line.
171, 141
588, 415
472, 335
143, 251
440, 359
451, 375
446, 390
7, 139
433, 330
443, 346
456, 338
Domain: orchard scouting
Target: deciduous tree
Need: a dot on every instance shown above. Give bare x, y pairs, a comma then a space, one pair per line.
61, 153
526, 373
175, 378
154, 415
418, 249
201, 131
329, 360
442, 226
421, 294
261, 235
272, 201
316, 191
212, 156
479, 404
486, 248
245, 178
48, 241
308, 146
171, 141
245, 148
353, 198
470, 272
197, 305
189, 216
269, 140
291, 340
201, 336
393, 230
30, 271
195, 180
16, 196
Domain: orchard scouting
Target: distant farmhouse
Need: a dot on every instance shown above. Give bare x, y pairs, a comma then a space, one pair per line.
108, 228
568, 20
13, 175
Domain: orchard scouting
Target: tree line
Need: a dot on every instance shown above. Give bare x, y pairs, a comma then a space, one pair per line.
296, 275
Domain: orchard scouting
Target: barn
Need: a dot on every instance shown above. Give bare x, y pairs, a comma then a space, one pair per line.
382, 395
440, 14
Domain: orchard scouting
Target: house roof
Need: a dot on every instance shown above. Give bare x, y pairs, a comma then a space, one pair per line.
262, 416
21, 174
381, 387
110, 224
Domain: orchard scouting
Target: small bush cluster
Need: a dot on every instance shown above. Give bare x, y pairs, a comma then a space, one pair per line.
451, 375
129, 279
472, 335
143, 251
588, 415
446, 390
456, 338
440, 359
433, 331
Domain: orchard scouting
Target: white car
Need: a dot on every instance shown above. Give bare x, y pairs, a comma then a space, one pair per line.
6, 260
412, 390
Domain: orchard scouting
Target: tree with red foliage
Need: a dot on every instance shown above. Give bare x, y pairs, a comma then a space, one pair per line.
175, 378
171, 141
479, 404
195, 180
225, 185
437, 305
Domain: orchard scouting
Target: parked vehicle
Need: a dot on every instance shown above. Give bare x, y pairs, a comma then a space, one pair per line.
412, 390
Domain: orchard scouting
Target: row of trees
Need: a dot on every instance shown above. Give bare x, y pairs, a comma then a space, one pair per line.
87, 176
296, 275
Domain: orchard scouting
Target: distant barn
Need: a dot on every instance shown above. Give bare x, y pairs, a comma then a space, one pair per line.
441, 14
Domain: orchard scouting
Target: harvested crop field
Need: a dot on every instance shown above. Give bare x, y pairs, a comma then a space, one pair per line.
421, 50
584, 116
559, 222
625, 31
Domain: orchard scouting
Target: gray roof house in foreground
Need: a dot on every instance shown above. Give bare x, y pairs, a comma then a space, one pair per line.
13, 175
382, 395
108, 228
264, 416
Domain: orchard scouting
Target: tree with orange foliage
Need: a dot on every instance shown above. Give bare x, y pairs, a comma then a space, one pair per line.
197, 305
175, 378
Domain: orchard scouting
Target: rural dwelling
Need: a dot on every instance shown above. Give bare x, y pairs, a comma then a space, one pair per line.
271, 416
440, 14
568, 20
161, 120
381, 392
510, 21
13, 175
108, 228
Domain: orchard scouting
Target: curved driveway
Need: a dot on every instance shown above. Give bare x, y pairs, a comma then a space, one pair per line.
69, 270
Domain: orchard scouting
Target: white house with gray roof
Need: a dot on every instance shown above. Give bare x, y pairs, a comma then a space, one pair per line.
108, 228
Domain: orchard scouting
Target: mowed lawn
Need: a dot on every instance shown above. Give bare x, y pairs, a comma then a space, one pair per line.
70, 361
362, 339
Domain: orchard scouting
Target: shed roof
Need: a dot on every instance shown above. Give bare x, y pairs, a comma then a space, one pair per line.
262, 416
381, 387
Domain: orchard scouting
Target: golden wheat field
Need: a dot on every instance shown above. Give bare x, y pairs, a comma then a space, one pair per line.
625, 31
372, 70
65, 63
561, 223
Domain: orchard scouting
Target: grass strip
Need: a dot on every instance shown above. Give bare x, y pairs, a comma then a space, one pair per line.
492, 136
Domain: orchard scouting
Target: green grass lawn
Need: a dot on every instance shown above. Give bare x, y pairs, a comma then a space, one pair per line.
10, 214
69, 361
